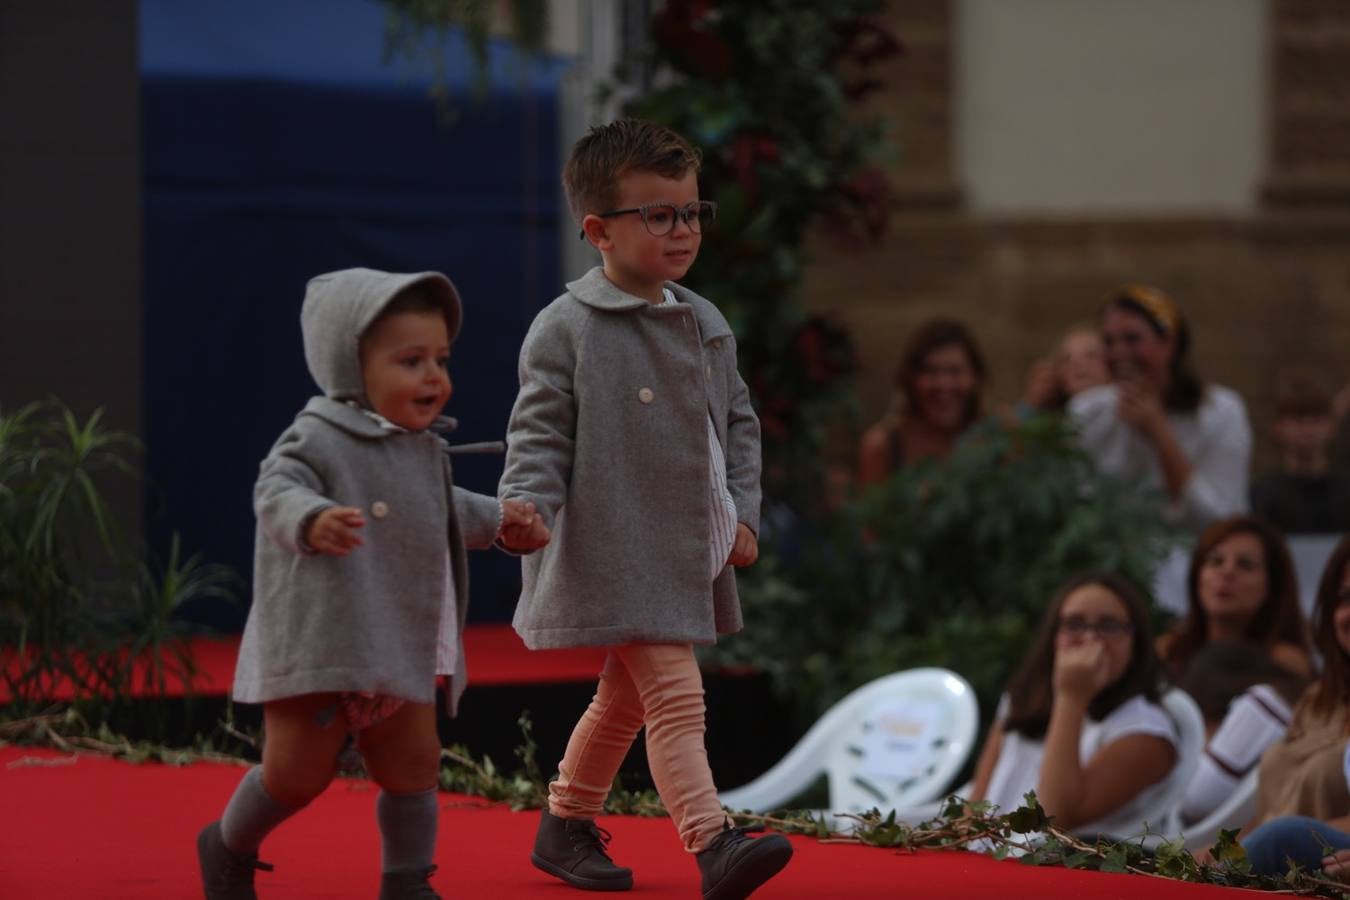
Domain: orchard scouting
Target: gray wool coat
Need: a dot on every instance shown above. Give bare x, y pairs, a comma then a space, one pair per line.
609, 439
367, 621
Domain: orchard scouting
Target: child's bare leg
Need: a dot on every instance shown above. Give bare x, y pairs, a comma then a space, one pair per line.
403, 756
302, 739
403, 752
299, 758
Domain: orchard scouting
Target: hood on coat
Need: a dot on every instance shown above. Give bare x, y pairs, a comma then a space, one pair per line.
340, 306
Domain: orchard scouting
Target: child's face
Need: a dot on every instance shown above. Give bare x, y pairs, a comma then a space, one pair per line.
636, 259
1081, 362
403, 367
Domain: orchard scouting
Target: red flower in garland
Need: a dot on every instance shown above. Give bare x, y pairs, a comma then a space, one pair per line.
864, 200
865, 42
824, 350
685, 29
749, 151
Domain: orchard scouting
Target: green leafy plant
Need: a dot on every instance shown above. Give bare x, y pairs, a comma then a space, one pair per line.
79, 608
419, 31
770, 91
949, 564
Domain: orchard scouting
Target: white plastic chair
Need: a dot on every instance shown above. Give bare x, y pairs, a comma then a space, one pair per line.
1190, 724
895, 742
1255, 721
1235, 811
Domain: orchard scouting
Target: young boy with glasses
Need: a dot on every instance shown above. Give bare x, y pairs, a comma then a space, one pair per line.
634, 438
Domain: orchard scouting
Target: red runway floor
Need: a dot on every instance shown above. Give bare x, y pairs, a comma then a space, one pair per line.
493, 653
91, 827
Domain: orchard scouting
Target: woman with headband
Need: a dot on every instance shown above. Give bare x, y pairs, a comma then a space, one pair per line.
1157, 425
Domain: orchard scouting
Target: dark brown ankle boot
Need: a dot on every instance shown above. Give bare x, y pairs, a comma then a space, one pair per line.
226, 875
734, 864
574, 850
412, 884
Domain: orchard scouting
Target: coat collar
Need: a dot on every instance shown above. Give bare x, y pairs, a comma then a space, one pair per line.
354, 422
595, 290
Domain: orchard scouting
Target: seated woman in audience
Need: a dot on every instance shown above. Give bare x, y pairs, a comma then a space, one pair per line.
1240, 729
1158, 425
1078, 363
939, 384
1081, 723
1303, 800
1241, 584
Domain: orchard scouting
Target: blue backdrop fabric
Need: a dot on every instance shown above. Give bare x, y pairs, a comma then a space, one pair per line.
277, 145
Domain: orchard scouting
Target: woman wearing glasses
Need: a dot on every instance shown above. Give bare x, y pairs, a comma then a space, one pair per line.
1081, 723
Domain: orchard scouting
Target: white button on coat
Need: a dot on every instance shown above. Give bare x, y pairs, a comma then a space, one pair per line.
646, 395
379, 509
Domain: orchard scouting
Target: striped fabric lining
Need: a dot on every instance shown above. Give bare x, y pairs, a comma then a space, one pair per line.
722, 522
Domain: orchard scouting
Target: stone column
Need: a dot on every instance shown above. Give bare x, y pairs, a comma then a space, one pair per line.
1309, 166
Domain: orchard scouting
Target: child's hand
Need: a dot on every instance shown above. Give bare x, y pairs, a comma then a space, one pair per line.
746, 549
334, 531
522, 529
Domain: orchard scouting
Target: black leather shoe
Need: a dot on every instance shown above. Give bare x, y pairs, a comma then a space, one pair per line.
226, 875
734, 864
411, 884
574, 850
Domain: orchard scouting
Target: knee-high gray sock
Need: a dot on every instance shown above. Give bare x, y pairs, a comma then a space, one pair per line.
407, 829
251, 814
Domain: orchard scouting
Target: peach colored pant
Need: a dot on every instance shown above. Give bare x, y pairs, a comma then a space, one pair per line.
658, 685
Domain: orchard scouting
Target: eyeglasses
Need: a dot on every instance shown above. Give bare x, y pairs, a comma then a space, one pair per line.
1076, 626
660, 218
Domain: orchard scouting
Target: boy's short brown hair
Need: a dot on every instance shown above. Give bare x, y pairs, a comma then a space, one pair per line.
609, 152
1300, 394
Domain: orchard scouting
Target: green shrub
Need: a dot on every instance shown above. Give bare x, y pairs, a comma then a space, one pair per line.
949, 564
78, 603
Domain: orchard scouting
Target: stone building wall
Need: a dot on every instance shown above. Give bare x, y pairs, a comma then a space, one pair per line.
1262, 292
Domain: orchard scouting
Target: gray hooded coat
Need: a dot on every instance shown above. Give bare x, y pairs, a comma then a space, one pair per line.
609, 439
367, 621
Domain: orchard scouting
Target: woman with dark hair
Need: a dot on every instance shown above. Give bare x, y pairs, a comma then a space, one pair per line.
1303, 800
939, 383
1241, 651
1081, 724
1158, 425
1241, 585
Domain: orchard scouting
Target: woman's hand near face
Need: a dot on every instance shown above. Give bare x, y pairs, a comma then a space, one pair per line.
1081, 671
1141, 407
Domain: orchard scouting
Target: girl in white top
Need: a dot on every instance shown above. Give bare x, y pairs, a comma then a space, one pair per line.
1157, 424
1081, 724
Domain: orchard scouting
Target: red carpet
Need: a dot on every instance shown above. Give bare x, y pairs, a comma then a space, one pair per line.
494, 654
99, 828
